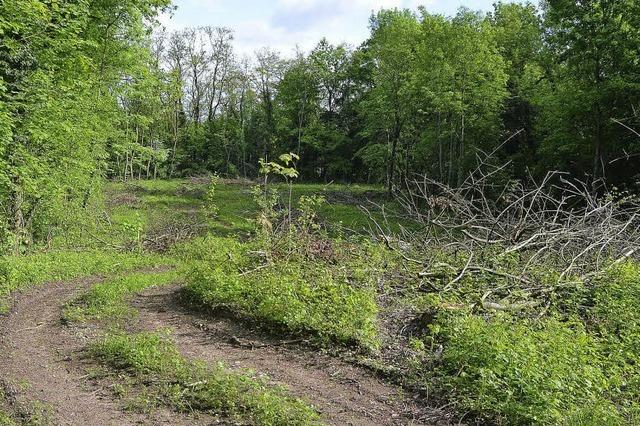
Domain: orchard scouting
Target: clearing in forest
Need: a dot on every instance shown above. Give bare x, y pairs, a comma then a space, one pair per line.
122, 332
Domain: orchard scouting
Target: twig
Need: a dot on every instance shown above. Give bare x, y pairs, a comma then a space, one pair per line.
462, 273
255, 270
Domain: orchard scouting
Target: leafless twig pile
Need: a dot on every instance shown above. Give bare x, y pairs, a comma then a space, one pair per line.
576, 228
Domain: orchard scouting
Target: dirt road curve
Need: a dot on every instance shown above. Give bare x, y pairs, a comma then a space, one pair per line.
42, 366
38, 356
344, 394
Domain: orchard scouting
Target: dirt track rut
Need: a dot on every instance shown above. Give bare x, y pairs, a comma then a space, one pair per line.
41, 363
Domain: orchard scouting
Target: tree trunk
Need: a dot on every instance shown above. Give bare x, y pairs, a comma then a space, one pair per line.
452, 156
18, 219
394, 150
461, 174
440, 150
175, 140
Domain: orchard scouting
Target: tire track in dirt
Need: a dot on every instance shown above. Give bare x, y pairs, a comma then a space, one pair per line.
41, 362
343, 393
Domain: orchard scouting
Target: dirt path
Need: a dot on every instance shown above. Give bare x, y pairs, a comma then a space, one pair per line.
344, 394
42, 368
36, 355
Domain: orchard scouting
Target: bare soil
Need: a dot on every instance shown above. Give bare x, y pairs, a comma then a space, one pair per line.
42, 364
344, 394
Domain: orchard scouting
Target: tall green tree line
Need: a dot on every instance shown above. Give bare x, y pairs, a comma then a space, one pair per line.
68, 75
554, 86
87, 92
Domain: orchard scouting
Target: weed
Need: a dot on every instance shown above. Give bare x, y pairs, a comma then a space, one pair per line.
107, 300
186, 386
522, 371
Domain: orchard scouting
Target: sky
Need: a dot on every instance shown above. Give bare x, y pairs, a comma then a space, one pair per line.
285, 24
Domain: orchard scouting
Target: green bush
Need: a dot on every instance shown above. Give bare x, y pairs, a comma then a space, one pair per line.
185, 385
523, 371
302, 297
616, 318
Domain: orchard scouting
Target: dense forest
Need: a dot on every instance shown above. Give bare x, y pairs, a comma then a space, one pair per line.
440, 225
89, 91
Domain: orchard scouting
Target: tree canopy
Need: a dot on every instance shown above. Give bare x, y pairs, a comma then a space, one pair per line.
88, 90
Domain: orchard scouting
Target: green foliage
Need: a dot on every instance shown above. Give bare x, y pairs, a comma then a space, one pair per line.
108, 300
6, 419
565, 356
189, 386
615, 315
266, 199
211, 206
61, 74
301, 297
286, 169
308, 207
588, 103
524, 372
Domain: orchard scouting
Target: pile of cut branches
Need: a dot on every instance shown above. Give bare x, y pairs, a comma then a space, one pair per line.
525, 238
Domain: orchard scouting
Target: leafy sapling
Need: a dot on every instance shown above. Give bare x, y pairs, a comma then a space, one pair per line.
286, 169
211, 207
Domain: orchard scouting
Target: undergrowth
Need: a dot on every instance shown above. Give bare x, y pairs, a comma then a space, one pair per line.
500, 349
19, 272
574, 361
523, 371
108, 299
188, 386
330, 303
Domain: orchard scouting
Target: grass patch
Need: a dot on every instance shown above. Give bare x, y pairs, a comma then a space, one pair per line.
315, 298
187, 386
5, 417
108, 300
19, 272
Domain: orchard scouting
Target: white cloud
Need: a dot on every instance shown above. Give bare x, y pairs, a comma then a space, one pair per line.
285, 24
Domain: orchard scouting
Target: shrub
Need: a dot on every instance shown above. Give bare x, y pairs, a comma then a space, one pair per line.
289, 296
616, 318
301, 297
523, 371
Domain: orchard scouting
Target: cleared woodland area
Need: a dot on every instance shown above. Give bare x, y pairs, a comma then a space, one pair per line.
438, 226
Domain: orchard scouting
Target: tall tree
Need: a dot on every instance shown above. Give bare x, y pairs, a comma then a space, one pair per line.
61, 66
394, 35
594, 81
